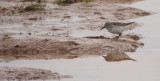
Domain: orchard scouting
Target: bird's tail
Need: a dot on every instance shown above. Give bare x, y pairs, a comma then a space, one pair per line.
131, 23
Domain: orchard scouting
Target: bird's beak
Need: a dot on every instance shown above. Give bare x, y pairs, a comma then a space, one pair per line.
103, 56
102, 28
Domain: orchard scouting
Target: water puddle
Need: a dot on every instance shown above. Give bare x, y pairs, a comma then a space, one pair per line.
85, 33
145, 67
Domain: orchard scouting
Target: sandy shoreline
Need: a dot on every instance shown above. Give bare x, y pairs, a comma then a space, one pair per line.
12, 73
52, 35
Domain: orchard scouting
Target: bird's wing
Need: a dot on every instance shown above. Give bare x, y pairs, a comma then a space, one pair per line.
121, 24
130, 26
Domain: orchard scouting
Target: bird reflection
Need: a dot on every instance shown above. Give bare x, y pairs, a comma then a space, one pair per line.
117, 56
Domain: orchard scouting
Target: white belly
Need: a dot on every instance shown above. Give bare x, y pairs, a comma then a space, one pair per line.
116, 29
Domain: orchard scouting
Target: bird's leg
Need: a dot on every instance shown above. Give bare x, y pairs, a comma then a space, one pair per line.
117, 37
120, 34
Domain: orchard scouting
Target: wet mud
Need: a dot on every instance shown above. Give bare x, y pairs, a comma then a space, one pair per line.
20, 74
50, 35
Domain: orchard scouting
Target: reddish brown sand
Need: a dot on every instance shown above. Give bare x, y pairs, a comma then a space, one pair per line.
48, 34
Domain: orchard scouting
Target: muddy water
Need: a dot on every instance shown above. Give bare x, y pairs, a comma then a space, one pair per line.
146, 67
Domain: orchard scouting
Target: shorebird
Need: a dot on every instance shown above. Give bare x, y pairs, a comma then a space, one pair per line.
117, 27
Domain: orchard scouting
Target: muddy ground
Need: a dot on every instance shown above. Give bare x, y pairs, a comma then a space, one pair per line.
68, 32
21, 74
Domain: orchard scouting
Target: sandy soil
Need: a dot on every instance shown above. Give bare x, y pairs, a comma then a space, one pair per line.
20, 74
38, 48
56, 32
52, 35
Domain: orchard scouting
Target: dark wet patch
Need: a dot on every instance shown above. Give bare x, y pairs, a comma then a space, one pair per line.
134, 37
96, 37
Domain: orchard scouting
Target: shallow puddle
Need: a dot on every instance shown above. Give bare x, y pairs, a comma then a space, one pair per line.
145, 68
85, 33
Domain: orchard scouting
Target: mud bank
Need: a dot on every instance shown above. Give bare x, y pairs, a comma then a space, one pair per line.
20, 74
57, 25
63, 32
40, 48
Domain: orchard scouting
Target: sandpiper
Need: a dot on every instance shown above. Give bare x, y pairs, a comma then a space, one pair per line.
117, 27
